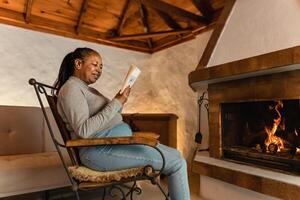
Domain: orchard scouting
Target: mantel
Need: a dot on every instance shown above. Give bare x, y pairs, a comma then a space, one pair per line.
274, 62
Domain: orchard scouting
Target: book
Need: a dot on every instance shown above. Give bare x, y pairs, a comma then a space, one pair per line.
132, 74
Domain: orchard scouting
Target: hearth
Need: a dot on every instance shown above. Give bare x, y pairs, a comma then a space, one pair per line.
265, 133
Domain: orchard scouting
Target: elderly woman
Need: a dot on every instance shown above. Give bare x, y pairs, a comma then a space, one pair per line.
89, 114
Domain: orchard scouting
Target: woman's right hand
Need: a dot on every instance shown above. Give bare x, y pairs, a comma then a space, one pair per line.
124, 96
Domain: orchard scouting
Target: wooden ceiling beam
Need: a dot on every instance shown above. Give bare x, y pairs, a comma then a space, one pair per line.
172, 40
82, 12
205, 8
173, 10
144, 15
149, 35
54, 27
169, 20
214, 38
122, 18
28, 8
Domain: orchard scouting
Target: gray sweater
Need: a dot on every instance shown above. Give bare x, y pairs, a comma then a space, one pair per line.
85, 110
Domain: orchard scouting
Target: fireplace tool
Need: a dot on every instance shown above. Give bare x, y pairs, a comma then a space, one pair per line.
203, 100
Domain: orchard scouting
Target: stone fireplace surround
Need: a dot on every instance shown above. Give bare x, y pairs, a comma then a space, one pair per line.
272, 76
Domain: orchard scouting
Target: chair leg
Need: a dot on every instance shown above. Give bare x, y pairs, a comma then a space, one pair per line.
104, 193
162, 191
46, 195
77, 195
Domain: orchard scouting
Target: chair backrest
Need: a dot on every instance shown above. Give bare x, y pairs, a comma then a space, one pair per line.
65, 134
52, 101
41, 89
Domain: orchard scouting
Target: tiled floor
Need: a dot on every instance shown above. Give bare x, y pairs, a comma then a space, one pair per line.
149, 192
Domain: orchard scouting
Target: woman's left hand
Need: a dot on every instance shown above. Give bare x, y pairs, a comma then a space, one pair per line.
124, 96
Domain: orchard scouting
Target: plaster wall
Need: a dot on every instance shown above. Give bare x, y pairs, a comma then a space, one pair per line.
161, 88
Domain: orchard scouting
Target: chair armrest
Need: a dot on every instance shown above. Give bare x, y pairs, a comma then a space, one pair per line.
112, 141
150, 135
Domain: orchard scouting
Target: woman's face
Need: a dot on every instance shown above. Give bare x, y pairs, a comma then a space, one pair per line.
89, 69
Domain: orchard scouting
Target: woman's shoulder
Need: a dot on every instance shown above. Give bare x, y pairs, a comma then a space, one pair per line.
70, 88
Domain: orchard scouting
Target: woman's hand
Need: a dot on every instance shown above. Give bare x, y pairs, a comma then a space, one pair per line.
124, 96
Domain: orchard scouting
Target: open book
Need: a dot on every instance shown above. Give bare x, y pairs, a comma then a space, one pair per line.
131, 77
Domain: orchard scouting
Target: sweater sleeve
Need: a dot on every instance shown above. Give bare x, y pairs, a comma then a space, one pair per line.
121, 108
76, 110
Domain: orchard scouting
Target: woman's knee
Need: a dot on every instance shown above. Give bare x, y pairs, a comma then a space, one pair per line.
176, 165
182, 163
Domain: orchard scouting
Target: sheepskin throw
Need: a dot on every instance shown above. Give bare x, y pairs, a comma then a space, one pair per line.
82, 173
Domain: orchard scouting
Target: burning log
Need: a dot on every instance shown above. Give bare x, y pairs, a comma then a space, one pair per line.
273, 140
294, 139
273, 148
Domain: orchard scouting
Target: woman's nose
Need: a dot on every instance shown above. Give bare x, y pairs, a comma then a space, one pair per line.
98, 69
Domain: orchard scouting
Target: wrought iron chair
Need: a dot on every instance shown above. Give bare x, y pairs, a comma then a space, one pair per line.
105, 181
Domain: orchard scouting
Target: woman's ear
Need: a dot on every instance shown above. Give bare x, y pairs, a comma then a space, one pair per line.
78, 63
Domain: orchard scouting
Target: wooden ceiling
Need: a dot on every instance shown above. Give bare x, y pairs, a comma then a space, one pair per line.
142, 25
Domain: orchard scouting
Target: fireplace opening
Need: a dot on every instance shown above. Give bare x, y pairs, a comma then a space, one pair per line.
265, 133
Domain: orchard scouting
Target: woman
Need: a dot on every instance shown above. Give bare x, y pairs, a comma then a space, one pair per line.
88, 114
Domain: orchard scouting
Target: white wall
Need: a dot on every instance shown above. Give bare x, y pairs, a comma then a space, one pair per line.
254, 27
162, 87
26, 54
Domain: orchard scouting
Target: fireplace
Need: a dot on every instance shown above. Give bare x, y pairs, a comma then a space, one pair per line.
247, 99
242, 112
266, 133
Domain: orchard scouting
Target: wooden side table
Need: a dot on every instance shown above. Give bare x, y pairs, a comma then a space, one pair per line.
164, 124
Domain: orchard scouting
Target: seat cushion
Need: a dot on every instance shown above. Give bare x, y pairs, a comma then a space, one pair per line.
82, 173
30, 173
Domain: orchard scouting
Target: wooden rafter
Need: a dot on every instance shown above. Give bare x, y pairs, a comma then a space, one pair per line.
205, 8
59, 28
169, 20
83, 10
149, 35
208, 51
168, 41
173, 10
144, 15
122, 18
126, 17
28, 10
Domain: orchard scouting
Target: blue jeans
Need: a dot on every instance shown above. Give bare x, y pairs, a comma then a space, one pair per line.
119, 157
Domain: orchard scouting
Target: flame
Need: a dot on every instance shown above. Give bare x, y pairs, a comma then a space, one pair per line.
297, 149
272, 138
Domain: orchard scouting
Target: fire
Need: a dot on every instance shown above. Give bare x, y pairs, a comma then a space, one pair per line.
272, 138
297, 149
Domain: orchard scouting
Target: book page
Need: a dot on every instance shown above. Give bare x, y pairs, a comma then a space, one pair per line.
131, 77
